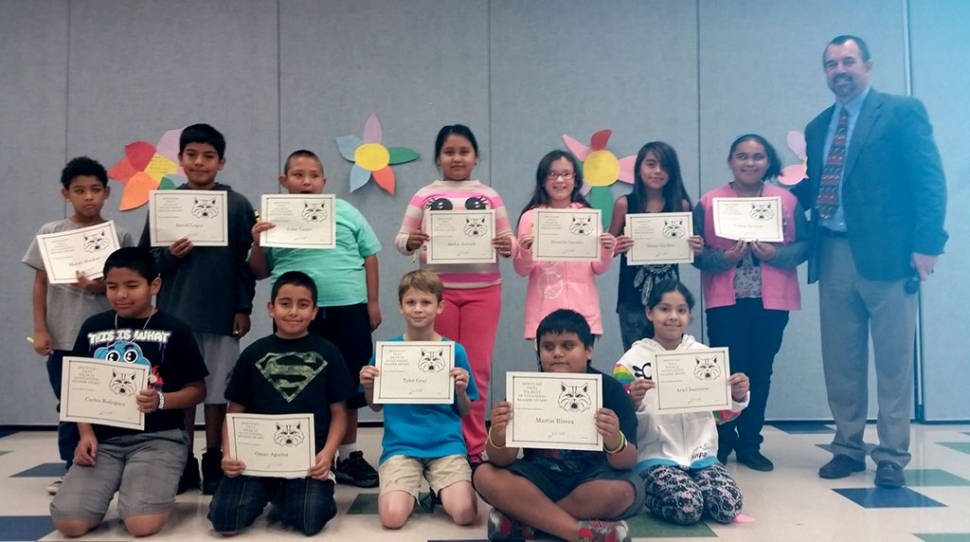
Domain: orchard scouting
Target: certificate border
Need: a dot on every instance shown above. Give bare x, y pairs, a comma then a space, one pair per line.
152, 225
598, 220
779, 218
513, 442
728, 400
42, 240
75, 361
430, 245
649, 217
308, 417
329, 243
381, 398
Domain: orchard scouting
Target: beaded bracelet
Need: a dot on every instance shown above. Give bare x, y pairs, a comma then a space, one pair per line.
619, 448
492, 442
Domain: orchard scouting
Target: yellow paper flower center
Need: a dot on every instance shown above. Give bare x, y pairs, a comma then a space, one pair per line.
373, 156
601, 168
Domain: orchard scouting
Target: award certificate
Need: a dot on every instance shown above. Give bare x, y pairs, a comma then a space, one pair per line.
660, 238
199, 215
566, 235
102, 392
278, 446
301, 220
460, 236
692, 381
414, 372
554, 410
751, 219
85, 250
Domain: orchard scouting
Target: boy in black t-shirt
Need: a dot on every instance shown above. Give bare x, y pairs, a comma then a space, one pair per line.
142, 466
289, 372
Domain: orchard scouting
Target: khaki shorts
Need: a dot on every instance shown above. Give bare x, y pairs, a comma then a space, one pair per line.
403, 473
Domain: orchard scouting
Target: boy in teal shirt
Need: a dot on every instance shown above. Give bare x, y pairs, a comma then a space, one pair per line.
347, 283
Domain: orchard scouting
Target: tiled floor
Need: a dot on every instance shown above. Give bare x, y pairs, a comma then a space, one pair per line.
789, 504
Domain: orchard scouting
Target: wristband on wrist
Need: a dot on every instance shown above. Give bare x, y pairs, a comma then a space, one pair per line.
161, 400
492, 442
619, 447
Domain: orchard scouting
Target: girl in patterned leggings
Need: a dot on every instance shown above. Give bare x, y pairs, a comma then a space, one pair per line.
676, 453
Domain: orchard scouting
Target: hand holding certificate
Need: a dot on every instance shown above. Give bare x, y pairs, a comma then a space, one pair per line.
566, 235
414, 372
460, 236
102, 392
660, 238
83, 251
199, 215
277, 446
750, 219
692, 381
554, 410
300, 220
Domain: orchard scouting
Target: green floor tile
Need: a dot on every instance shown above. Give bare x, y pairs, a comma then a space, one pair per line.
366, 503
4, 453
944, 537
933, 478
958, 446
649, 526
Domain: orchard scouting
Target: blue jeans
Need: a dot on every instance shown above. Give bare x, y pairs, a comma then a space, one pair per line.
67, 433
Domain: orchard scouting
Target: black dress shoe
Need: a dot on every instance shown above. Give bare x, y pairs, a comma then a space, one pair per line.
841, 466
889, 475
754, 460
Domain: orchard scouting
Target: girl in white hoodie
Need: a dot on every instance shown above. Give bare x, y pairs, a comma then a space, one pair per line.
677, 453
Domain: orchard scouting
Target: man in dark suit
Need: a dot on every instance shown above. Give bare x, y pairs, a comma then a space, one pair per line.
877, 196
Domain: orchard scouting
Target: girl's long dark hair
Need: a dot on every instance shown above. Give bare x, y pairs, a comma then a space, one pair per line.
539, 195
674, 192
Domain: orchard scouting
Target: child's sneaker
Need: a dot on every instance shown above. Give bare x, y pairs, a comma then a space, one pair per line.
190, 475
55, 485
502, 527
603, 531
355, 471
211, 471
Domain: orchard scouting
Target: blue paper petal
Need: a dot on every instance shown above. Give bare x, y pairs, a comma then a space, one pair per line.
347, 145
358, 177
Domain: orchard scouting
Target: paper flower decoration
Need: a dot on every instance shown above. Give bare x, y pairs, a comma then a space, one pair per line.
601, 168
372, 160
148, 167
793, 174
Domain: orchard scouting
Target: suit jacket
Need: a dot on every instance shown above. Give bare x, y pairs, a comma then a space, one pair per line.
893, 188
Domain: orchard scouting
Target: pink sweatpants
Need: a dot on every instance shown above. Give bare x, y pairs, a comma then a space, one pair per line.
470, 318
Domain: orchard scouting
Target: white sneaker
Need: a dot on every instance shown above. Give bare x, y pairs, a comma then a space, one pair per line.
55, 485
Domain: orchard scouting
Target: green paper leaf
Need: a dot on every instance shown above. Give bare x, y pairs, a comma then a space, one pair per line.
601, 197
401, 155
167, 183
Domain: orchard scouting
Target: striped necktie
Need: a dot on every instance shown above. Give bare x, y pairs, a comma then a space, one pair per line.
828, 189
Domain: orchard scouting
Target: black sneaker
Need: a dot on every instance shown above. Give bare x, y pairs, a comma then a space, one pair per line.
211, 471
889, 475
754, 460
355, 471
190, 475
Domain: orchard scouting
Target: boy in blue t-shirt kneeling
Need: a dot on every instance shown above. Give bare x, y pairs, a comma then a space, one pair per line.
424, 439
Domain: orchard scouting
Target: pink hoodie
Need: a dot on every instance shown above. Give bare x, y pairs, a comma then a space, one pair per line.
559, 285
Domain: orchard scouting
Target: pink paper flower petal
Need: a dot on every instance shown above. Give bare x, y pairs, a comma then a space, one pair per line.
599, 140
796, 142
168, 145
626, 169
372, 130
792, 175
580, 150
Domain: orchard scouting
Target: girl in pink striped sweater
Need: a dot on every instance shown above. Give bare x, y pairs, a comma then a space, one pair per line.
473, 292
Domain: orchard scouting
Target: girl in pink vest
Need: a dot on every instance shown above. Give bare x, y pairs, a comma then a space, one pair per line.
749, 288
559, 285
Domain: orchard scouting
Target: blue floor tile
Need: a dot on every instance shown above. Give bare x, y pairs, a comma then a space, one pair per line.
6, 433
958, 446
44, 470
828, 447
25, 527
804, 428
874, 497
944, 537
